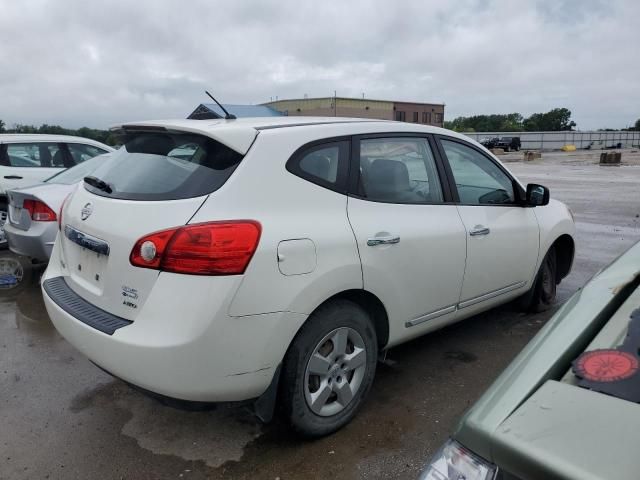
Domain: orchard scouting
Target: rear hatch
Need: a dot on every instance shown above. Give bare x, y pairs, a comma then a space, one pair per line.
156, 181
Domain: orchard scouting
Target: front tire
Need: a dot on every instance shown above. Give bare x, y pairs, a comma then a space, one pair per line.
329, 369
543, 294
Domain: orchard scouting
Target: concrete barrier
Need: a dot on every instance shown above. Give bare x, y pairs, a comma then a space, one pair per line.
610, 158
530, 155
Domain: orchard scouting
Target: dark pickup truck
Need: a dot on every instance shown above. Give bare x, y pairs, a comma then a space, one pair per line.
508, 143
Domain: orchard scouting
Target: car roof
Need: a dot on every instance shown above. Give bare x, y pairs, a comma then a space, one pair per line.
239, 134
42, 137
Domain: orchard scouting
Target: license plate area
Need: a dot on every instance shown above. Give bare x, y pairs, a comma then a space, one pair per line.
87, 259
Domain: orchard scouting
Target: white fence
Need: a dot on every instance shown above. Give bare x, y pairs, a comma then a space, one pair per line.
556, 140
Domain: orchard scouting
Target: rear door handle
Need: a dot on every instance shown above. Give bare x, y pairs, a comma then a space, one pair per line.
13, 177
372, 242
479, 230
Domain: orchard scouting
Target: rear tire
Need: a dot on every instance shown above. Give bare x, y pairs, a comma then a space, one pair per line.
543, 294
329, 369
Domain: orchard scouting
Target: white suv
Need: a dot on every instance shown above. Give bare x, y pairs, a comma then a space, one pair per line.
26, 159
253, 258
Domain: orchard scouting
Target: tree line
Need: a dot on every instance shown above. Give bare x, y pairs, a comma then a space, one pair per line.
558, 119
104, 136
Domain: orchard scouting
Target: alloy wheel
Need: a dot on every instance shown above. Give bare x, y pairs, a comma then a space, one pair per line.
11, 273
3, 220
335, 371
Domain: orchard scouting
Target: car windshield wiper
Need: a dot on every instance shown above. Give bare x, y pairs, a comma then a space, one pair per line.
99, 184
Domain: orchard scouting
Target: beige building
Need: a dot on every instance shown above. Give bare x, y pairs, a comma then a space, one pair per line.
425, 113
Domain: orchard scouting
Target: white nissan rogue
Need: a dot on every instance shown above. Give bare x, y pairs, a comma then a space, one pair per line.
277, 257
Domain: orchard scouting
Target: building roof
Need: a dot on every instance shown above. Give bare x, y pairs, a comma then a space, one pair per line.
349, 98
206, 111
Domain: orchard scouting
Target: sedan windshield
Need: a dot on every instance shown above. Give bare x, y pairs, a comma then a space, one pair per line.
77, 173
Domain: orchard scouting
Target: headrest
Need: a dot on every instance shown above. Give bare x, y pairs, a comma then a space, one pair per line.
387, 176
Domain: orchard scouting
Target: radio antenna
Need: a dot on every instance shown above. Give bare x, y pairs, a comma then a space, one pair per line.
227, 115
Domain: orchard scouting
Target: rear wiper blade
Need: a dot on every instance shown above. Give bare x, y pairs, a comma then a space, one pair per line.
99, 184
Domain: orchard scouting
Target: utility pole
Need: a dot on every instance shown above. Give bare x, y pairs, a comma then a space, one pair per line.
335, 103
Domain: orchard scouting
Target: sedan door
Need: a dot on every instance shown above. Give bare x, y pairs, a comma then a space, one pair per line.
502, 235
28, 163
410, 239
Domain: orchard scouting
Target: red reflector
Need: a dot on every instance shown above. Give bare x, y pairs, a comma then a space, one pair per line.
215, 248
39, 211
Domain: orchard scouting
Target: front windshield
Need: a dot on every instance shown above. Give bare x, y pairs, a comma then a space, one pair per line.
76, 174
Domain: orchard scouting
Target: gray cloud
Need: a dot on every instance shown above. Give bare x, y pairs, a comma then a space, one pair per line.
86, 63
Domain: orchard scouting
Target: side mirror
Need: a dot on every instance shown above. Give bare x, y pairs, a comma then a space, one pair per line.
537, 195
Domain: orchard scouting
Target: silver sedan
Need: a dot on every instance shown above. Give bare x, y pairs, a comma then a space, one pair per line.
33, 211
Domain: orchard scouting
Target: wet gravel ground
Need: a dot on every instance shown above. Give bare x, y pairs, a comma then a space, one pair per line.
61, 417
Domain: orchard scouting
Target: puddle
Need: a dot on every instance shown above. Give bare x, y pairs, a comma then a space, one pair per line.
215, 437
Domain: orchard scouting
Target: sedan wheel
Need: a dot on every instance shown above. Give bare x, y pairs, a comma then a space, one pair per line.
11, 273
3, 219
329, 368
15, 273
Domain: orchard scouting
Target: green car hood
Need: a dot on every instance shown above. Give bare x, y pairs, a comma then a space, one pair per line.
534, 422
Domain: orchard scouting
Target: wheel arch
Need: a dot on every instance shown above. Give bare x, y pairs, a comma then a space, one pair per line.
374, 307
565, 252
371, 304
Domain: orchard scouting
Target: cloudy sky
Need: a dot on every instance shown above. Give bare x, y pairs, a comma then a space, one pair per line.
90, 63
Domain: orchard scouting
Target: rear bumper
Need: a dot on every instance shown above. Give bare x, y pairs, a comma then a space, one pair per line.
173, 349
37, 242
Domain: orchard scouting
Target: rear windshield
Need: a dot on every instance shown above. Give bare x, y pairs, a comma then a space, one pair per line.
159, 165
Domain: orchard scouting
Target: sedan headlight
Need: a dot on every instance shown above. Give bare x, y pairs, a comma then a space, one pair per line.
454, 462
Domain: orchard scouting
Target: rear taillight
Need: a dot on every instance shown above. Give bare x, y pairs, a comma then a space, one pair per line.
39, 211
215, 248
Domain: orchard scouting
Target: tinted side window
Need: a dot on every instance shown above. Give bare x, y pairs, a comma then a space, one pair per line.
36, 155
81, 152
398, 170
478, 179
324, 164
